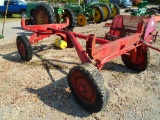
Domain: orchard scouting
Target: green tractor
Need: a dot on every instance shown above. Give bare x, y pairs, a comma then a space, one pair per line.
92, 10
89, 11
48, 13
143, 10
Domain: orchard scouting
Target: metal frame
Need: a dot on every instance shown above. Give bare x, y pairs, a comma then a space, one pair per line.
127, 38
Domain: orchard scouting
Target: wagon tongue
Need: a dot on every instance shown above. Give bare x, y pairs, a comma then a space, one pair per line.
149, 45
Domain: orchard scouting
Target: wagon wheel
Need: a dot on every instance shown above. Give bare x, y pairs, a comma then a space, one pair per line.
115, 11
72, 21
81, 20
98, 14
43, 14
141, 61
87, 86
24, 48
106, 11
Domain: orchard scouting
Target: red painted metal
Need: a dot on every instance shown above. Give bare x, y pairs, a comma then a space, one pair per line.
126, 34
43, 31
149, 29
83, 87
44, 28
21, 48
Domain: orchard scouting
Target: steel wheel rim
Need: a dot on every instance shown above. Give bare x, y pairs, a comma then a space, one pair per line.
114, 12
105, 12
41, 17
83, 88
97, 15
81, 20
139, 58
21, 48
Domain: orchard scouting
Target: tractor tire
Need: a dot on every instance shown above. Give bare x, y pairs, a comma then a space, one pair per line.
106, 11
98, 15
87, 86
28, 21
141, 63
43, 14
115, 11
72, 21
24, 48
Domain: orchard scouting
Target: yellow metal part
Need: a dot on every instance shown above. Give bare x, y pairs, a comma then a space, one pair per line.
97, 16
105, 11
60, 43
114, 12
81, 20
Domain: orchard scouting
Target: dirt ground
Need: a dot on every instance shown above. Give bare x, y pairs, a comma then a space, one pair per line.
38, 90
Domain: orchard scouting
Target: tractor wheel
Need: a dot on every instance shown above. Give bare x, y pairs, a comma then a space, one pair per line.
72, 21
115, 11
87, 86
106, 11
24, 48
140, 63
81, 20
43, 14
29, 21
98, 14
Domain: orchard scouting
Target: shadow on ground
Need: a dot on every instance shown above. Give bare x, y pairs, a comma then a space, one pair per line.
13, 57
111, 66
56, 96
19, 28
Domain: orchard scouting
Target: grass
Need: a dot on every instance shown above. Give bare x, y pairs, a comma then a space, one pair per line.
14, 17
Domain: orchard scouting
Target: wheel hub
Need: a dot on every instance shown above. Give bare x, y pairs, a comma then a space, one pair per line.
85, 89
81, 20
97, 16
41, 17
21, 48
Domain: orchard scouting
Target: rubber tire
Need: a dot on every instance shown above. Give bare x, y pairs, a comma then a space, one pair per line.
109, 11
29, 21
117, 9
72, 21
23, 40
137, 67
48, 11
94, 77
101, 12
